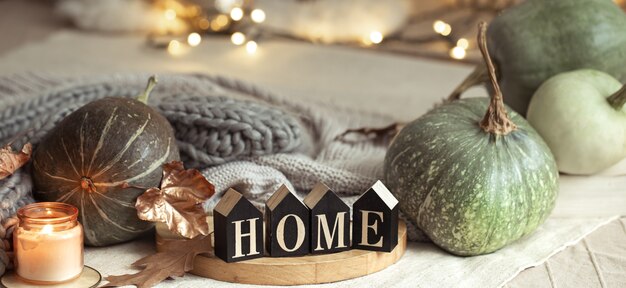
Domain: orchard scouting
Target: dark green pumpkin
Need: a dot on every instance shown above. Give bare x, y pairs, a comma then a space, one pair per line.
538, 39
90, 156
472, 183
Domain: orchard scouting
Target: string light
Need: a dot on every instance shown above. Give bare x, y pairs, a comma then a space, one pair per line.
257, 16
235, 10
238, 38
442, 28
463, 43
225, 6
193, 11
204, 24
236, 14
220, 22
457, 52
175, 48
447, 30
178, 17
376, 37
170, 14
199, 19
439, 26
194, 39
251, 47
460, 50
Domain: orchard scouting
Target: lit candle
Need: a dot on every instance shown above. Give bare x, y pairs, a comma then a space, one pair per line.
48, 243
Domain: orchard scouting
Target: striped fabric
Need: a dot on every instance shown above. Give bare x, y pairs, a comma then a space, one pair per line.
595, 262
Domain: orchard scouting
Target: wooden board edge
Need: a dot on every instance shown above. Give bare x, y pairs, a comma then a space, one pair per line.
310, 269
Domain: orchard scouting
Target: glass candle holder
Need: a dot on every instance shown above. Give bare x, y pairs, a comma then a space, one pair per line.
48, 243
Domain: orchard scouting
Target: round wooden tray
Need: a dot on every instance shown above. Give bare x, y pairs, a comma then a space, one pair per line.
310, 269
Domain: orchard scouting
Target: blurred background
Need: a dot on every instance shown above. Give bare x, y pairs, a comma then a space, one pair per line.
441, 29
334, 51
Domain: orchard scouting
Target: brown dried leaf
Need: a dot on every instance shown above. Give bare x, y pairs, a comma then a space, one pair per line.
10, 161
177, 260
178, 202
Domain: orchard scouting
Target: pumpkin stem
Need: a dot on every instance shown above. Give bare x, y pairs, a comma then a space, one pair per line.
87, 185
478, 76
382, 134
496, 120
143, 97
618, 99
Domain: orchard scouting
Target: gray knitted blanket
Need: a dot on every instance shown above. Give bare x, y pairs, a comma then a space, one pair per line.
238, 135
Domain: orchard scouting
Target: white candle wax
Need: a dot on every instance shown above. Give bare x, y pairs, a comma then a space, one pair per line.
49, 256
48, 243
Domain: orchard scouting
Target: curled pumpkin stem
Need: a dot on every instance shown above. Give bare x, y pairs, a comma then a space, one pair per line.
618, 99
496, 120
383, 134
477, 77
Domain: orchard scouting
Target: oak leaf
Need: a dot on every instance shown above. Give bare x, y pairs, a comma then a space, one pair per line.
10, 160
176, 260
178, 203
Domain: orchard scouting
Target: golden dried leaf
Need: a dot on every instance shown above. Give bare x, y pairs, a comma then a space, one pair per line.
177, 260
177, 181
178, 203
10, 161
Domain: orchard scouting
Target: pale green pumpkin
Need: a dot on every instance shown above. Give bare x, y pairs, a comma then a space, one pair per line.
538, 39
580, 115
472, 181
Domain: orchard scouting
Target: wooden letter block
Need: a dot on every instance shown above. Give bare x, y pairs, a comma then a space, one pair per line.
330, 221
238, 228
287, 225
375, 220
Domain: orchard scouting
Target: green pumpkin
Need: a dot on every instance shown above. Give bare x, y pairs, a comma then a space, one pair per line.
538, 39
472, 183
94, 154
581, 116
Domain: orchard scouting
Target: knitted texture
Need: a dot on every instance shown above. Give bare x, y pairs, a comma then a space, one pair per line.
210, 130
214, 130
237, 134
14, 193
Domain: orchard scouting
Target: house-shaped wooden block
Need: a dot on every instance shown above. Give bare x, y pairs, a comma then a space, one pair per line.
330, 221
286, 224
375, 220
238, 228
